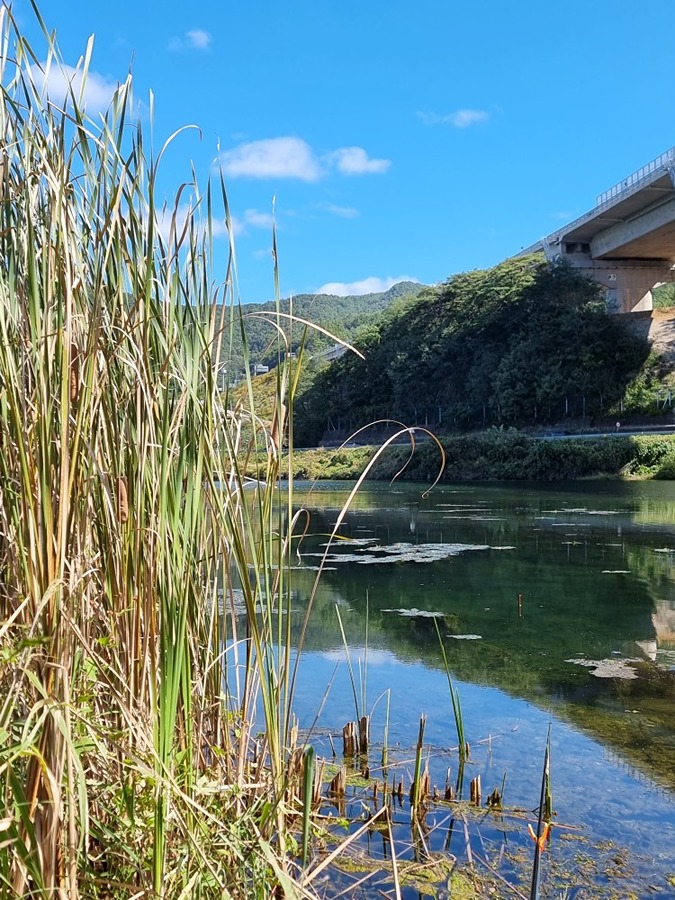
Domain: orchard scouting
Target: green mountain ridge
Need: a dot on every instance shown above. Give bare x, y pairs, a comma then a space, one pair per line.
342, 316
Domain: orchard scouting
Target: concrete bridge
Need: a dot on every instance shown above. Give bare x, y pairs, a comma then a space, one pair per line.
627, 241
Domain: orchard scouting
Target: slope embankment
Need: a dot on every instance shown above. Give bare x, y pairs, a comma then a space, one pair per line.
658, 327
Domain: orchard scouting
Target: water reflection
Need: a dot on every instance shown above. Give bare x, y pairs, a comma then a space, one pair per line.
553, 603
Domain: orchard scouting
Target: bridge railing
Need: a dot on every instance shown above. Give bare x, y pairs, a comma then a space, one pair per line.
660, 162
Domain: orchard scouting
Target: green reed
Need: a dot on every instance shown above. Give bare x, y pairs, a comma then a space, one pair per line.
130, 761
456, 707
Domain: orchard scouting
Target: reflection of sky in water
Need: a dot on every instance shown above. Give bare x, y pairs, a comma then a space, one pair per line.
584, 558
592, 789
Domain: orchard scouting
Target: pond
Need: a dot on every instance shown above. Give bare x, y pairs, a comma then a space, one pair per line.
556, 606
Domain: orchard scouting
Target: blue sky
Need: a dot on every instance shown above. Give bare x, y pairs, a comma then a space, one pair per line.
396, 140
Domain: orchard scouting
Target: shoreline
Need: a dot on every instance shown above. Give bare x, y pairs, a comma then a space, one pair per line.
494, 456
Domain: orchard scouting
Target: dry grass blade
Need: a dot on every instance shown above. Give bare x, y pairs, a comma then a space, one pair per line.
313, 873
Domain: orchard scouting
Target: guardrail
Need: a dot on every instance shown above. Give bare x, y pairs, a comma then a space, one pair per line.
661, 163
664, 161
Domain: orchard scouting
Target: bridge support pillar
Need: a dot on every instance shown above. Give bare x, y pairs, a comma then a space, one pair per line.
627, 283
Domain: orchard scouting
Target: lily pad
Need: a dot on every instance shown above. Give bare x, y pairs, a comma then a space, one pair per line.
608, 668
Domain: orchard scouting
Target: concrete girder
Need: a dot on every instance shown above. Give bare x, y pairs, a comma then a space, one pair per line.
650, 234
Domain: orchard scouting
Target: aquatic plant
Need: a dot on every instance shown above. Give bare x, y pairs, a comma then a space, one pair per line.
543, 820
130, 756
456, 711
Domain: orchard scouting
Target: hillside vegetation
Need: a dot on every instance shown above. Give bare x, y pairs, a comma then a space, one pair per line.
340, 316
524, 343
497, 455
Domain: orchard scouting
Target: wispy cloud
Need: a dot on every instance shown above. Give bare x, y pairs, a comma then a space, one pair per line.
371, 285
194, 39
292, 157
257, 219
461, 118
94, 94
252, 218
344, 212
355, 161
198, 39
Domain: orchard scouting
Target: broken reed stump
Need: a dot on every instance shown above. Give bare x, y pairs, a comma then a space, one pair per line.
449, 789
474, 790
364, 733
494, 801
350, 742
316, 785
355, 738
294, 775
422, 790
338, 786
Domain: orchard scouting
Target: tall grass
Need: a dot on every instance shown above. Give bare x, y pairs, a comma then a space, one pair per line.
129, 761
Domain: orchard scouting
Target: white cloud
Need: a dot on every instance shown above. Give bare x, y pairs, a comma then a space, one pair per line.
284, 157
258, 219
461, 118
355, 161
371, 285
194, 39
291, 157
94, 94
219, 227
465, 117
262, 253
198, 39
165, 217
252, 218
344, 212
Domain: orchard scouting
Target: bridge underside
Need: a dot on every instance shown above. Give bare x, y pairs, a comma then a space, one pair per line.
627, 242
627, 283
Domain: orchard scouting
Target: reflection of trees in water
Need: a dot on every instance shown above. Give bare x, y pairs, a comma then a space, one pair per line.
655, 566
590, 591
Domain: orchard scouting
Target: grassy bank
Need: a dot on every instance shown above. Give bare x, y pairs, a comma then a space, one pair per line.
501, 456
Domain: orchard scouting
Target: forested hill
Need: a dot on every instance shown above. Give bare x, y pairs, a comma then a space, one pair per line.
526, 342
341, 316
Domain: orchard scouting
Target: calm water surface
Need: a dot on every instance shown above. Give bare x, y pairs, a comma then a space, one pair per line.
558, 607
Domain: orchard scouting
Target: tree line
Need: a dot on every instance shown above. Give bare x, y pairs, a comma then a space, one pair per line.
525, 341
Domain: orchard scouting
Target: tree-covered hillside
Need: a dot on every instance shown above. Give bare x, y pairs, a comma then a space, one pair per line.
524, 342
341, 316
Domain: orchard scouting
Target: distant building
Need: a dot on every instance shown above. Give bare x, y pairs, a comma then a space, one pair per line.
259, 369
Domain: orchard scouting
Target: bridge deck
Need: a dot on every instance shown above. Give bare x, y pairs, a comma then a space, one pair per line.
644, 192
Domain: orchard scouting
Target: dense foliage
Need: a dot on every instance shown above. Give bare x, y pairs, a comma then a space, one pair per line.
524, 342
664, 296
500, 456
